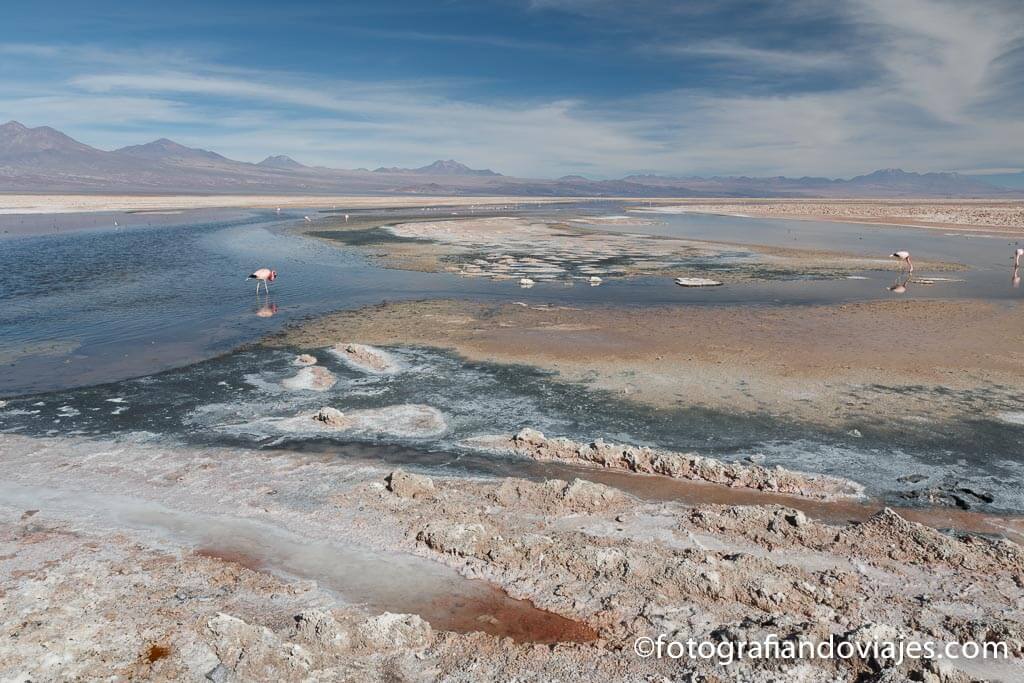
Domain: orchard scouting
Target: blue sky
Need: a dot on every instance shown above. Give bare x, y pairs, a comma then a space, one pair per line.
535, 87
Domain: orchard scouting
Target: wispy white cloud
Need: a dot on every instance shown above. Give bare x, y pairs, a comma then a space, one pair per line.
940, 97
758, 58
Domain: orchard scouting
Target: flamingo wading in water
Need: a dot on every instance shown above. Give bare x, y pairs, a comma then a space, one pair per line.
1017, 256
904, 257
263, 276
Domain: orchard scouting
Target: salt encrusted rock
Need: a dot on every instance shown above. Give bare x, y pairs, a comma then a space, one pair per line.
254, 652
322, 629
533, 444
304, 359
585, 495
391, 631
454, 538
407, 485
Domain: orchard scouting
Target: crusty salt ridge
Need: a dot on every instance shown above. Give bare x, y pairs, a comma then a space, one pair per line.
533, 444
624, 566
722, 572
367, 358
304, 359
312, 378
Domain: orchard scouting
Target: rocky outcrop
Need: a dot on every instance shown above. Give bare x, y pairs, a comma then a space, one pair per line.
953, 495
383, 633
253, 652
533, 444
304, 359
893, 539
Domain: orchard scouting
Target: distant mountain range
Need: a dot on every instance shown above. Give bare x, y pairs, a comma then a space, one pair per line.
45, 160
449, 167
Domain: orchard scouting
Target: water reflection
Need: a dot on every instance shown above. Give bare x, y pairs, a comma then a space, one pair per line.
900, 284
265, 308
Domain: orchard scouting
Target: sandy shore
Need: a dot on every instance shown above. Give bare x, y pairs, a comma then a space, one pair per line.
961, 214
838, 366
173, 583
507, 248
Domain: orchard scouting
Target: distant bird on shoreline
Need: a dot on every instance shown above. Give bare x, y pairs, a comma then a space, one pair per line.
904, 257
263, 276
1017, 256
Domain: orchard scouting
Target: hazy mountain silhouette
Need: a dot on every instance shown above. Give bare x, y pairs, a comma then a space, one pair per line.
45, 160
281, 161
439, 167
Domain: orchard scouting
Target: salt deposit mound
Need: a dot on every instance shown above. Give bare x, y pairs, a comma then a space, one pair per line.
312, 378
405, 420
367, 358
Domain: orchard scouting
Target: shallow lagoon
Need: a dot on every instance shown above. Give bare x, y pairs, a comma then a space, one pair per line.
95, 308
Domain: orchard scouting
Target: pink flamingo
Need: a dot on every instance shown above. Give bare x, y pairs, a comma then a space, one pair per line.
904, 257
263, 275
1016, 257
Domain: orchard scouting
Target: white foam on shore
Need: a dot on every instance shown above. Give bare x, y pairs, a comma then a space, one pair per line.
1013, 418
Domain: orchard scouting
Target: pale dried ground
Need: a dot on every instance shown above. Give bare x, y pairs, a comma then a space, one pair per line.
505, 248
57, 203
829, 365
961, 214
88, 589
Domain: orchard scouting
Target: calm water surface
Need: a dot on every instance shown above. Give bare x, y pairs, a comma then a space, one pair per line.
98, 307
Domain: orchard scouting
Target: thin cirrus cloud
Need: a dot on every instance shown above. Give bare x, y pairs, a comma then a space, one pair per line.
922, 84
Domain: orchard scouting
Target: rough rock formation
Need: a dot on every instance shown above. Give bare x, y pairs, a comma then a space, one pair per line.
533, 444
